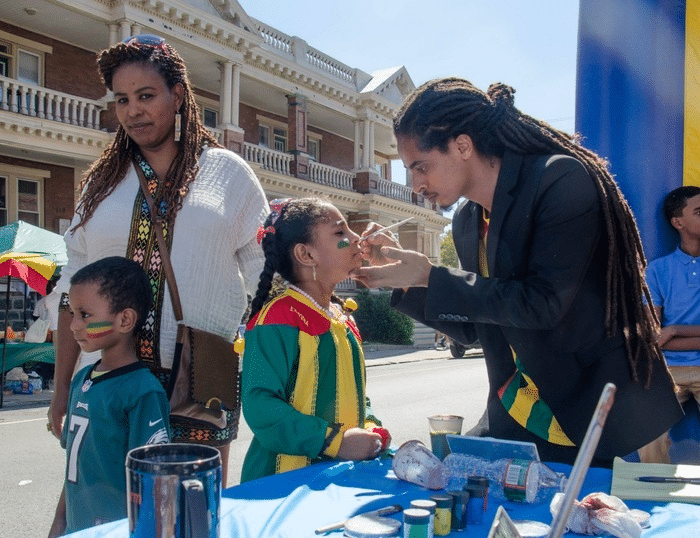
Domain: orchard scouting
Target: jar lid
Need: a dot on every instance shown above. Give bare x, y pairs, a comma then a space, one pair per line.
425, 504
442, 501
364, 526
532, 529
416, 516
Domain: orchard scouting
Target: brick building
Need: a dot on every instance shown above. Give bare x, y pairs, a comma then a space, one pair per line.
307, 123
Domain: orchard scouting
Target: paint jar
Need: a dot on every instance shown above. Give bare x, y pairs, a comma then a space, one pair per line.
460, 501
366, 526
416, 523
478, 488
429, 505
442, 524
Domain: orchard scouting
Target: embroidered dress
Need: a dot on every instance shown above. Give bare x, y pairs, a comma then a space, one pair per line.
303, 385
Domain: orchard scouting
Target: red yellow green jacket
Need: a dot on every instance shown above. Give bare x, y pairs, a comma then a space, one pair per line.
303, 385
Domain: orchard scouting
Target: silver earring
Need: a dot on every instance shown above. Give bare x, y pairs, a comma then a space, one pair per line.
178, 124
313, 269
128, 139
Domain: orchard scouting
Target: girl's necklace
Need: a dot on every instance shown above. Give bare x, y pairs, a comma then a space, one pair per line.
332, 312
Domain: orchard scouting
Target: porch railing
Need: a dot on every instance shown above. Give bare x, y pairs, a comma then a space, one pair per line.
330, 176
43, 103
267, 158
394, 190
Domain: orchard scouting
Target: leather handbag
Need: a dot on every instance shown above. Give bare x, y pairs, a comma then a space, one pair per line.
205, 378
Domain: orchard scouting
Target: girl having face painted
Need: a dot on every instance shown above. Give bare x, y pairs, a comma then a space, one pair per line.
303, 387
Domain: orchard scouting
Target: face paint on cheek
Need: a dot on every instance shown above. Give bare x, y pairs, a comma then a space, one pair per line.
99, 329
343, 243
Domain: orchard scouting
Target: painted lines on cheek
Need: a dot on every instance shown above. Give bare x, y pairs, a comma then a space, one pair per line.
99, 329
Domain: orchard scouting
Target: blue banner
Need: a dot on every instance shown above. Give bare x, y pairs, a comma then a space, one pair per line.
630, 88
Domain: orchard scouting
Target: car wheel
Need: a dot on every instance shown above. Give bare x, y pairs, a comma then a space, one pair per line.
457, 350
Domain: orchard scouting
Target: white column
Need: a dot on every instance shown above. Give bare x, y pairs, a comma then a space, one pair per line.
236, 95
136, 29
356, 148
124, 30
113, 33
225, 97
371, 144
366, 143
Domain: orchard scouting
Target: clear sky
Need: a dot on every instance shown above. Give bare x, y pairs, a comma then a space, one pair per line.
528, 44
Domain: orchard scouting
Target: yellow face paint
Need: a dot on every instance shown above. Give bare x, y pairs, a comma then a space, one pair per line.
99, 329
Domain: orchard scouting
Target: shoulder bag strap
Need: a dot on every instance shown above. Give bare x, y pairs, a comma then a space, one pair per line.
162, 246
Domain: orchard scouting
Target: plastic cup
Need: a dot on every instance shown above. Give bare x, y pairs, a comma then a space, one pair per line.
414, 463
440, 426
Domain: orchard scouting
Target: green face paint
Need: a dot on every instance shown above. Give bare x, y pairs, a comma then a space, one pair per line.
343, 243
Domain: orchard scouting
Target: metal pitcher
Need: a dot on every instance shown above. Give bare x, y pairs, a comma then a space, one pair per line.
173, 491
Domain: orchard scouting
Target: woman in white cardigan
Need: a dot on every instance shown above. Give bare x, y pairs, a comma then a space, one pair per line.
209, 199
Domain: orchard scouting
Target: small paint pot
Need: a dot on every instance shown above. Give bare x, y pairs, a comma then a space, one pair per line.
442, 524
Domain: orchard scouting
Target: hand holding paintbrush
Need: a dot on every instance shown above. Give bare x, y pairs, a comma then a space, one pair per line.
373, 239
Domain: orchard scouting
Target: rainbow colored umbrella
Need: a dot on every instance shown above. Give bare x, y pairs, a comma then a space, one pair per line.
31, 253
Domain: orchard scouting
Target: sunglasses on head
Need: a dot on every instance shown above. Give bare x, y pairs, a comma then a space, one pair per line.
145, 39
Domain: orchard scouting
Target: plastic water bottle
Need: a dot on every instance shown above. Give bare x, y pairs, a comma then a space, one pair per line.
518, 480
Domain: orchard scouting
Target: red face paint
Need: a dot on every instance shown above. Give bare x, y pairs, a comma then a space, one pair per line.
99, 329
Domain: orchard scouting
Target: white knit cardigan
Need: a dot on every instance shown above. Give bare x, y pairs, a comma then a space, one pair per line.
215, 256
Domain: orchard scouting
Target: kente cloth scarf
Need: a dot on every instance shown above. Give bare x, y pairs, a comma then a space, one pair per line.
143, 249
519, 395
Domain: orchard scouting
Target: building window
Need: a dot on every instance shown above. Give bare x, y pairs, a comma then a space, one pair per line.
21, 194
28, 201
264, 136
210, 117
381, 170
28, 67
314, 147
22, 58
3, 200
280, 136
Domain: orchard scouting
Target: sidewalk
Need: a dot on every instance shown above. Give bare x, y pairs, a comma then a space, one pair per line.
382, 354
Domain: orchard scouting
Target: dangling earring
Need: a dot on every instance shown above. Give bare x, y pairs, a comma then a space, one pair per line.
128, 139
313, 269
178, 123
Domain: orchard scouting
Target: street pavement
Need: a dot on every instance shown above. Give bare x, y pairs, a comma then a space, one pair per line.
33, 463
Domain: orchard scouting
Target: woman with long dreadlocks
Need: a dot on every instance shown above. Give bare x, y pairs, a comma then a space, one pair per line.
552, 282
211, 205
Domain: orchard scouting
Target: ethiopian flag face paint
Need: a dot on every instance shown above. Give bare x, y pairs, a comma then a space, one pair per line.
343, 243
99, 329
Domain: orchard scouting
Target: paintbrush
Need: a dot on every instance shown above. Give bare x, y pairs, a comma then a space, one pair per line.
381, 512
385, 228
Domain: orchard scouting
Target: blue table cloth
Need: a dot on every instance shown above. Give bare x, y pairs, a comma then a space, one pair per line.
294, 504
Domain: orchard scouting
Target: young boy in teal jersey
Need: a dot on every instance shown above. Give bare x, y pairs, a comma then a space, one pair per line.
114, 405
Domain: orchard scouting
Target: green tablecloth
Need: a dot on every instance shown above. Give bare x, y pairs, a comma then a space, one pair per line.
19, 353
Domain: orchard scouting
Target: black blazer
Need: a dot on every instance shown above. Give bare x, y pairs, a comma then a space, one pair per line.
545, 298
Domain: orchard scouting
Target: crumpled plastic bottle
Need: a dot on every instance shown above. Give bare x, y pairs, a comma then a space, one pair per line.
518, 480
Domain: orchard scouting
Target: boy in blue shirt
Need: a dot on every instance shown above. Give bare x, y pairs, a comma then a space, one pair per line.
674, 283
114, 405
